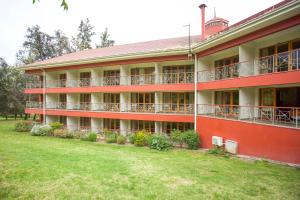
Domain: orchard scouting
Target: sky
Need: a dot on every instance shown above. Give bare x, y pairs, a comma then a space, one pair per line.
127, 20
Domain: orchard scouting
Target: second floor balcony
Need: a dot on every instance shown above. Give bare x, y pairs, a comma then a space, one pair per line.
276, 63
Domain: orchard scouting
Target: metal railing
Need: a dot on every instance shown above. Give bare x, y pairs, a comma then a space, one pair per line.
117, 107
283, 116
284, 61
143, 79
226, 72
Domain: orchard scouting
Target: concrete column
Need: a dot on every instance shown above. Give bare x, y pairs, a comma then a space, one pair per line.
72, 123
205, 97
124, 101
158, 101
51, 79
246, 99
124, 127
72, 101
96, 125
158, 127
72, 79
204, 70
97, 101
124, 73
51, 100
51, 119
158, 73
246, 57
96, 80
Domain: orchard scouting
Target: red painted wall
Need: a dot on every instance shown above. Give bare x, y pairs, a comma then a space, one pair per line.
278, 78
116, 115
265, 141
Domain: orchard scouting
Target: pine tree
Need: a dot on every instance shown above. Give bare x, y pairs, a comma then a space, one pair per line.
84, 37
104, 40
61, 43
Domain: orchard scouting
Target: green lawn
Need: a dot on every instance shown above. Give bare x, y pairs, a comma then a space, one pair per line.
52, 168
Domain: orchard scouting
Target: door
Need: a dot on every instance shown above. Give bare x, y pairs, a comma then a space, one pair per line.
85, 101
62, 80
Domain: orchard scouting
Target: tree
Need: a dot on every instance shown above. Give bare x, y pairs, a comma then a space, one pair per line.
84, 37
12, 84
104, 40
61, 43
37, 46
63, 4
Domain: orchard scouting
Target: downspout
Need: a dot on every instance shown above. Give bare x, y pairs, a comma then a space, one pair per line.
195, 91
44, 96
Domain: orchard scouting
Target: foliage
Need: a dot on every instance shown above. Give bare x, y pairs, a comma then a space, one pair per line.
220, 151
131, 138
62, 133
191, 138
78, 134
23, 126
84, 37
159, 142
12, 84
56, 125
92, 137
104, 40
61, 43
63, 4
41, 130
177, 137
121, 139
141, 138
110, 137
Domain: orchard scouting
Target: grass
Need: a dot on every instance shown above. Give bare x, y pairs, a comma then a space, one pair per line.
52, 168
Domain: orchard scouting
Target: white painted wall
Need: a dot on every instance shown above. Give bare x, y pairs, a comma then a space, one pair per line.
246, 99
96, 124
72, 100
72, 123
158, 127
51, 119
96, 100
125, 126
246, 57
124, 100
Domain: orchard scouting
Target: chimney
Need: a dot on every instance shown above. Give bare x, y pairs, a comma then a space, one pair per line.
202, 8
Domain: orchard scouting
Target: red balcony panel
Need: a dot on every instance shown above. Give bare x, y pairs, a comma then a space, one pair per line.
117, 115
34, 91
278, 78
124, 88
265, 141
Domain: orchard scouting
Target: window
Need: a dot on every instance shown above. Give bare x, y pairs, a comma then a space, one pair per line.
112, 124
178, 74
140, 76
267, 97
227, 68
85, 79
62, 101
63, 120
111, 77
85, 123
62, 80
178, 102
169, 126
85, 101
142, 102
138, 125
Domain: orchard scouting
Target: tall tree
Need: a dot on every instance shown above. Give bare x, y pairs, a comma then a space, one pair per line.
61, 43
37, 46
84, 37
104, 40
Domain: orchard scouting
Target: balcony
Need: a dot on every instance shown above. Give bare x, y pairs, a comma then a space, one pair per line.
117, 107
280, 62
281, 116
144, 79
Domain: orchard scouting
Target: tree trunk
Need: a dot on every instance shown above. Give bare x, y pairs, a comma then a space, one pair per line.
34, 116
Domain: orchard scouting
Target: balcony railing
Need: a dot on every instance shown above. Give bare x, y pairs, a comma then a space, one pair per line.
117, 107
284, 61
283, 116
143, 79
34, 104
226, 72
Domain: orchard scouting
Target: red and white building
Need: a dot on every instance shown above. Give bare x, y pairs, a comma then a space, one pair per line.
239, 82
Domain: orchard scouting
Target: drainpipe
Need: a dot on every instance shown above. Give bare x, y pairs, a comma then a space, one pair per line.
195, 91
44, 96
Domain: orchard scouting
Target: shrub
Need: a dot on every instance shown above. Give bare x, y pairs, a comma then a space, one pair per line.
131, 138
56, 125
191, 138
160, 142
110, 137
62, 133
92, 136
78, 134
141, 138
177, 137
23, 126
41, 130
220, 151
121, 139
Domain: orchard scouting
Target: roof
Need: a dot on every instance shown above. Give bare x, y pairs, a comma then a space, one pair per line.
179, 43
